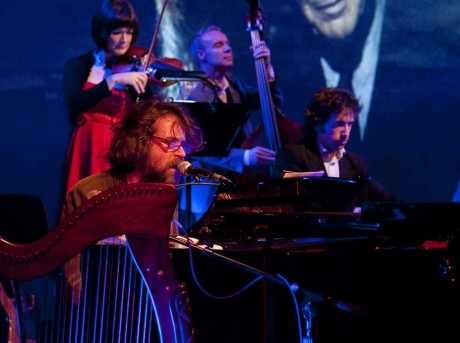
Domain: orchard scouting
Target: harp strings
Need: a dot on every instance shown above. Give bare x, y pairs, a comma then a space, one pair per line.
101, 297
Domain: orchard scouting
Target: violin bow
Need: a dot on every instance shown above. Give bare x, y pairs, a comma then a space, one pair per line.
154, 39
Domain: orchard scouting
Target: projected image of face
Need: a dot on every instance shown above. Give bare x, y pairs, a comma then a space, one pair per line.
332, 18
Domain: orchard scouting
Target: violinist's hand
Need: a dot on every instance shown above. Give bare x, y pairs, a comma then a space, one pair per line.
261, 155
138, 80
262, 51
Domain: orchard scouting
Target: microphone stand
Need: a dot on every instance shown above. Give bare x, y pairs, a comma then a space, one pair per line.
215, 91
309, 296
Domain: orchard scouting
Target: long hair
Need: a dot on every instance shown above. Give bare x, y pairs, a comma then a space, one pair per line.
133, 135
112, 15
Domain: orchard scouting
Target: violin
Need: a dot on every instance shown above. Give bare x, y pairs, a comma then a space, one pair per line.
133, 61
141, 59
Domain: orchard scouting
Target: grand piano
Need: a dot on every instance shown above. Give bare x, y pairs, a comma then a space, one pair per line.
392, 264
386, 273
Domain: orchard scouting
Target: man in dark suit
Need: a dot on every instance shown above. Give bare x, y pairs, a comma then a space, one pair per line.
330, 117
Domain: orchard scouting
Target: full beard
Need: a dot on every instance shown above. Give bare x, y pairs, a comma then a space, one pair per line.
155, 172
162, 177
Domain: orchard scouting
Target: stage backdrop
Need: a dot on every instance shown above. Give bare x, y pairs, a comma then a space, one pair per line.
403, 56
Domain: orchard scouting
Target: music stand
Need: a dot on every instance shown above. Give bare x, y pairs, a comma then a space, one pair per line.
329, 193
221, 125
311, 194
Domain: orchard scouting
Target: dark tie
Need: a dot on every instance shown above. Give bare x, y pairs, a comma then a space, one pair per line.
345, 80
229, 96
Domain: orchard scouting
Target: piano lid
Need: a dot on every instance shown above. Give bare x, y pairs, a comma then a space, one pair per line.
294, 195
426, 220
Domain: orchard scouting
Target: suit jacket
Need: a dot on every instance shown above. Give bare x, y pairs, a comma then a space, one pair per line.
305, 156
90, 186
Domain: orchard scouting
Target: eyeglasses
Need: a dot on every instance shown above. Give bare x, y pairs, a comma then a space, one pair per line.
173, 144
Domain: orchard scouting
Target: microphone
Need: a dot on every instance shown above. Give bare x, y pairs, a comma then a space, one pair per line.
187, 169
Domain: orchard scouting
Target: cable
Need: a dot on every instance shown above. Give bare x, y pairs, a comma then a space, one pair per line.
292, 288
195, 278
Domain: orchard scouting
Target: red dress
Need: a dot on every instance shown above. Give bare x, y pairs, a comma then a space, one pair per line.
91, 138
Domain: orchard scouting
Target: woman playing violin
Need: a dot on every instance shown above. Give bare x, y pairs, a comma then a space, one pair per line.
96, 94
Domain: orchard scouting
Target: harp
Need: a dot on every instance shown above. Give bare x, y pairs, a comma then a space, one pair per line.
127, 292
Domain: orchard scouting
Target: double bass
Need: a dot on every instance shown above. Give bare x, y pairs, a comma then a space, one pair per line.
276, 129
